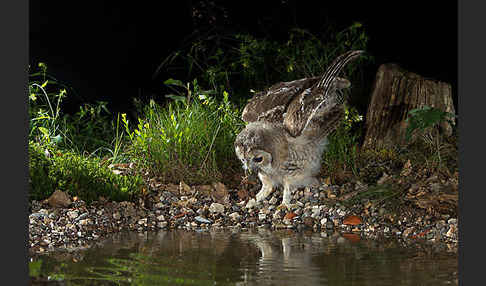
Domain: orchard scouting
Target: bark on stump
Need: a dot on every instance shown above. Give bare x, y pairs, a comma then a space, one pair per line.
396, 92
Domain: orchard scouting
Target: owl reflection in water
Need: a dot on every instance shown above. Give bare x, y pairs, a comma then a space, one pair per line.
287, 129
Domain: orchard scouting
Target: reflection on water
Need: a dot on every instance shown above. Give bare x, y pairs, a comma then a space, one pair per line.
260, 257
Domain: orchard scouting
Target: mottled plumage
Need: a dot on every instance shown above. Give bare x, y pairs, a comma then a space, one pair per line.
288, 127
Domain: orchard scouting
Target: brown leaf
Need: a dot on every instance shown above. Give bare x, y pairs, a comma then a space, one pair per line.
242, 195
352, 220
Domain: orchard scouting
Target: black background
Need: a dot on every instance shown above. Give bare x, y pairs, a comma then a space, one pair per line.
109, 50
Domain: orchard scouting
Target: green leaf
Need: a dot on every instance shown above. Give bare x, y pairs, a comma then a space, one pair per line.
176, 82
44, 131
176, 97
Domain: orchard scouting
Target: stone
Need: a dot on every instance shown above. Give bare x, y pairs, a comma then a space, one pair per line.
220, 193
72, 214
262, 216
161, 218
202, 219
59, 199
216, 208
184, 189
116, 215
329, 225
251, 204
235, 216
452, 221
161, 224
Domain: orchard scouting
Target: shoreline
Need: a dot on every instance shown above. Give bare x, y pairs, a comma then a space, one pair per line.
212, 207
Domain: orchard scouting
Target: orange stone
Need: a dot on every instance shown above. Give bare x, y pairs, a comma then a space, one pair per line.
352, 220
353, 237
290, 216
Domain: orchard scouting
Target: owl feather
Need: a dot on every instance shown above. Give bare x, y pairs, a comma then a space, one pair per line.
287, 128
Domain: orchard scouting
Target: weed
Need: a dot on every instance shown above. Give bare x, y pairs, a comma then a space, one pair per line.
191, 139
425, 122
341, 153
80, 176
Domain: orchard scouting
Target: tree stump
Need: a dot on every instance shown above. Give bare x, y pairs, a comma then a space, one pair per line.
396, 92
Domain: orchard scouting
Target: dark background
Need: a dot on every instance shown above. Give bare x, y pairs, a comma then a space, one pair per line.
109, 50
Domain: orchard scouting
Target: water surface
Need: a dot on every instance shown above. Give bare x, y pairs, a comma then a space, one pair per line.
259, 257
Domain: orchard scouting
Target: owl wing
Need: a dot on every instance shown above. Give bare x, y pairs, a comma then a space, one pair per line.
271, 105
316, 111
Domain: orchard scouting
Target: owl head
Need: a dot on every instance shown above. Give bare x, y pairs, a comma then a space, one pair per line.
258, 147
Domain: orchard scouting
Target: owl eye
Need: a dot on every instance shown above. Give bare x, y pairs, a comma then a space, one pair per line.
257, 159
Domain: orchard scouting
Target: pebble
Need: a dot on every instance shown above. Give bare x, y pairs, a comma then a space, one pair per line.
72, 214
202, 220
251, 204
68, 228
216, 208
235, 216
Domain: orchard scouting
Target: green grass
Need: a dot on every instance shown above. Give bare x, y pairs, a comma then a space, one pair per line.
85, 177
190, 142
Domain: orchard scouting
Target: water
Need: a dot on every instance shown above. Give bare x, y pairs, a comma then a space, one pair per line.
259, 257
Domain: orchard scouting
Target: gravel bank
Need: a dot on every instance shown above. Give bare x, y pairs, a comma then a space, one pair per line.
328, 208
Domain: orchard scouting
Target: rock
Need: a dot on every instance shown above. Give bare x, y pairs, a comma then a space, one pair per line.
309, 222
329, 224
451, 232
59, 199
352, 220
72, 214
262, 216
202, 220
184, 189
220, 193
161, 218
116, 215
277, 215
290, 216
161, 224
407, 169
235, 216
216, 208
251, 204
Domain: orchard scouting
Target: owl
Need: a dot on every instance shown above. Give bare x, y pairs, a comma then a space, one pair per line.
287, 128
